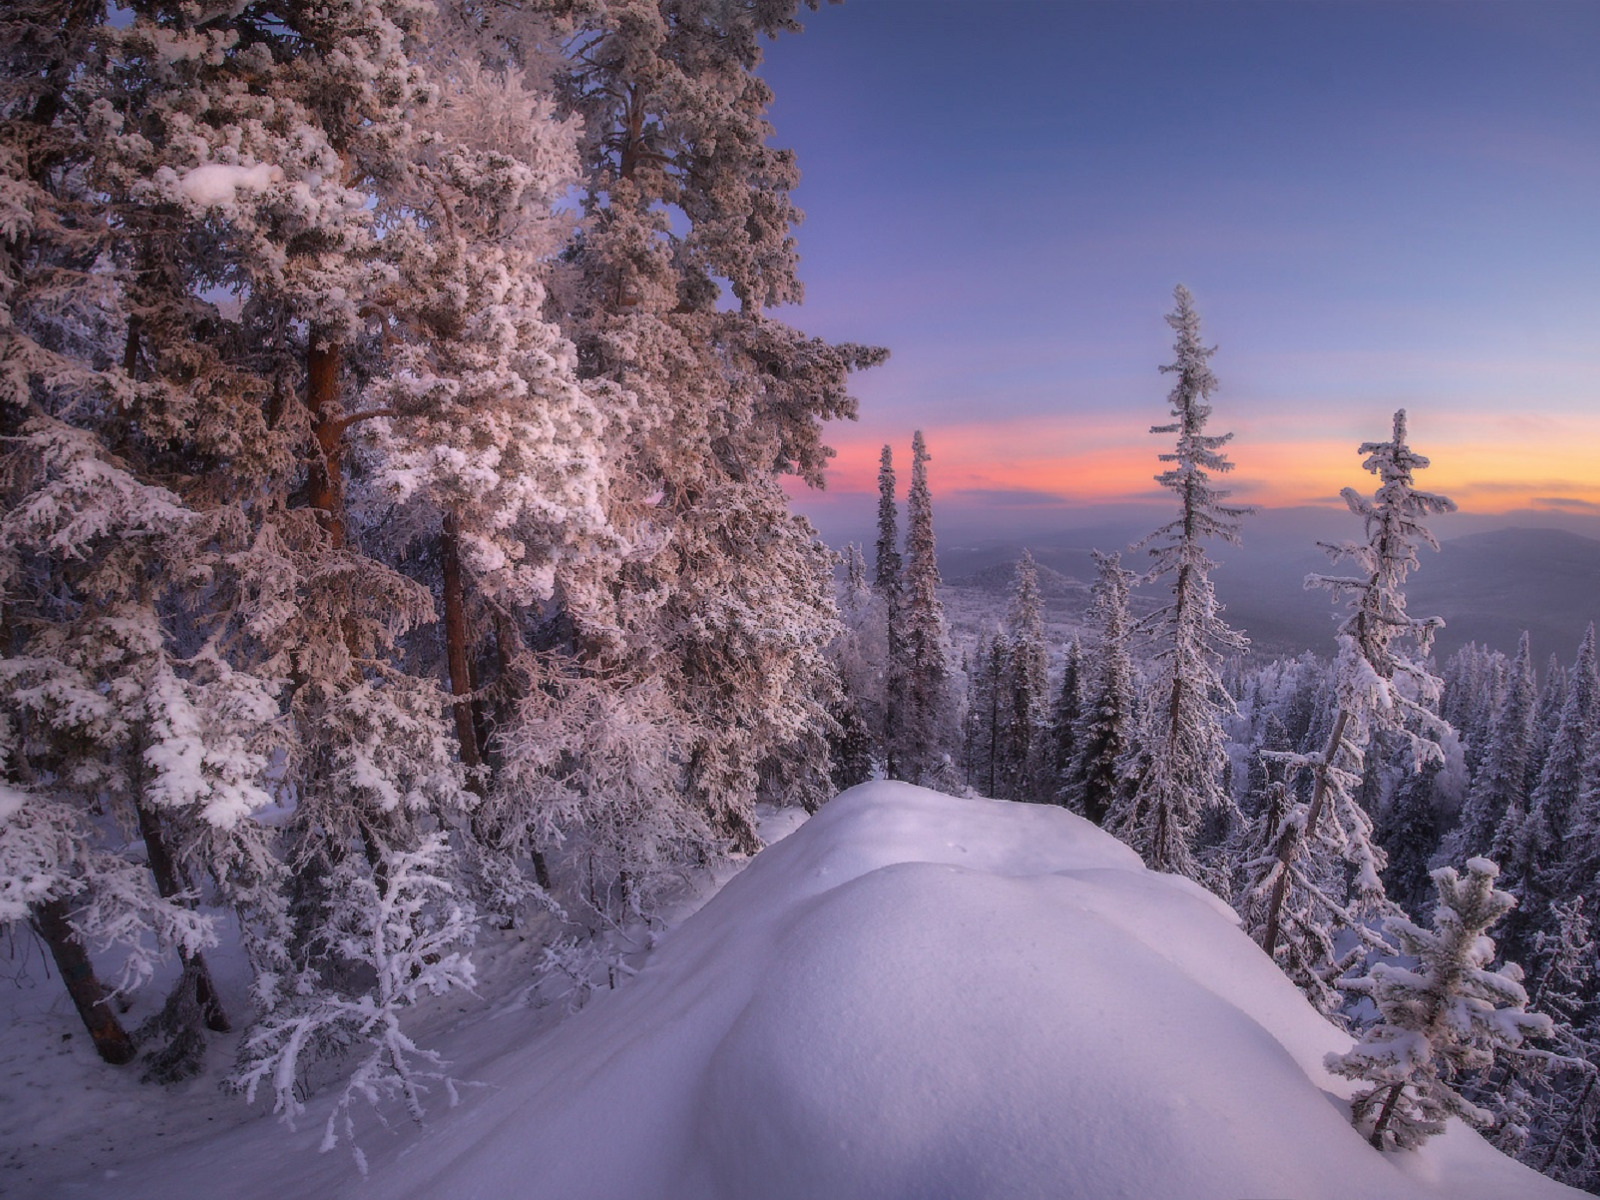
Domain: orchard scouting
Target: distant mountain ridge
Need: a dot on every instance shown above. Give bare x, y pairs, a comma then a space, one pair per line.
1488, 586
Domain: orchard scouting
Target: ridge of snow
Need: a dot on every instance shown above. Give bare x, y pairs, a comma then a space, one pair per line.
912, 996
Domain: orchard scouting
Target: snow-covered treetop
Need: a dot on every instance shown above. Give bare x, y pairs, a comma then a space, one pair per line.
1197, 452
1394, 525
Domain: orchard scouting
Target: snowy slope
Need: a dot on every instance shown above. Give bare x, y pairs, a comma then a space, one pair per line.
913, 996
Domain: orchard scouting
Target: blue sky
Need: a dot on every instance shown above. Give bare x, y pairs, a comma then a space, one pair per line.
1375, 205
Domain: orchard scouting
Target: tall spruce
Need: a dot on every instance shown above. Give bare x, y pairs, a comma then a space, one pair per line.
712, 629
1065, 715
1105, 734
1497, 804
1540, 869
1025, 752
1326, 869
886, 582
929, 733
1182, 736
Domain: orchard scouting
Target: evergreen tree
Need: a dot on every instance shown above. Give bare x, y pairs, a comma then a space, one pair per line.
722, 609
1540, 869
987, 705
1444, 1018
1065, 717
1496, 805
1105, 732
886, 582
1554, 1123
1026, 690
930, 719
1183, 736
858, 656
1409, 829
1376, 686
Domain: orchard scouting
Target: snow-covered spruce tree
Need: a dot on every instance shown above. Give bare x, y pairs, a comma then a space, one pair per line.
986, 708
1551, 1094
488, 465
857, 653
1325, 871
287, 140
1024, 739
723, 607
1065, 715
1184, 709
45, 260
122, 575
1105, 733
887, 585
1548, 852
930, 724
1497, 804
1408, 826
1473, 684
1446, 1017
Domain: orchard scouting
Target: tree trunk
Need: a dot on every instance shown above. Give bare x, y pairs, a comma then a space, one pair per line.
455, 642
170, 883
326, 482
1383, 1117
466, 709
111, 1041
1291, 845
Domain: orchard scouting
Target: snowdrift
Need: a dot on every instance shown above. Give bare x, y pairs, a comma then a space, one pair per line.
912, 997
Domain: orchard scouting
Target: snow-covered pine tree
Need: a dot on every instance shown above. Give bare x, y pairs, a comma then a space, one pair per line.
1554, 1091
930, 726
1183, 713
50, 302
123, 573
1549, 851
1473, 685
1444, 1018
287, 141
1552, 701
1065, 715
857, 654
723, 608
984, 756
1408, 828
1327, 858
887, 584
1023, 741
487, 465
1497, 804
1105, 734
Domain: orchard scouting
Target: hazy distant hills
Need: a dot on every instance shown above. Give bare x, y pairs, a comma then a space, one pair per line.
1488, 586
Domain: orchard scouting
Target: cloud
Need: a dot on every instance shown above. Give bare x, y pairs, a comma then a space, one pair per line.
1568, 503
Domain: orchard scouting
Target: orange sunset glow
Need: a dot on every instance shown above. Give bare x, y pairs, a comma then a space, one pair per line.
1480, 461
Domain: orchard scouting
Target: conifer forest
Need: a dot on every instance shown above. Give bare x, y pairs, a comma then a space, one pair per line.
406, 620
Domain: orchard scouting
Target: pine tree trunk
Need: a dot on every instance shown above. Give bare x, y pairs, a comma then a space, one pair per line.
1290, 845
1389, 1102
170, 883
455, 641
466, 709
326, 482
50, 921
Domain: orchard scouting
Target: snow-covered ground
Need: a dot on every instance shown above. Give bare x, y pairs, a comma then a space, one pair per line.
912, 996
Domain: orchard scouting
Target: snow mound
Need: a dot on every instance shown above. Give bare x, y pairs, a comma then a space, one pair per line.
919, 996
911, 997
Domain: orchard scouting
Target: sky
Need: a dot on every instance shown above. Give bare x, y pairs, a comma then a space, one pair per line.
1374, 205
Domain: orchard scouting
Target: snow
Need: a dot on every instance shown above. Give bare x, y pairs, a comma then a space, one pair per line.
912, 995
219, 183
